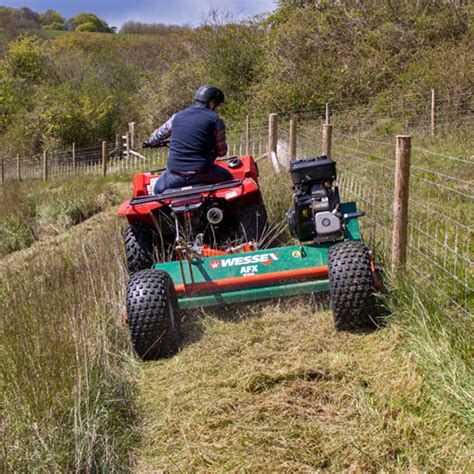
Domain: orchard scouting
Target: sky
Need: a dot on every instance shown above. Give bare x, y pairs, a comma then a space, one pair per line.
116, 12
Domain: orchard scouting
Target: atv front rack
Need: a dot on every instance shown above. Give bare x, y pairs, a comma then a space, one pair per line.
185, 191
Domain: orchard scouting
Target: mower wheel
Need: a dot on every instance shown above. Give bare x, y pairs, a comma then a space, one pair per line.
252, 221
153, 314
351, 287
139, 246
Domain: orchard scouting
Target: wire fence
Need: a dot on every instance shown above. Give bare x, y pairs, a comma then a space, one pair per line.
82, 162
440, 209
439, 247
439, 219
394, 115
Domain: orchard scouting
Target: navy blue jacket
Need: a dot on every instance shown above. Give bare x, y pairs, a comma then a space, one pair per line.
193, 139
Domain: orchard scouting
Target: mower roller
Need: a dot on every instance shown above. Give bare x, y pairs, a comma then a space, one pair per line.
329, 256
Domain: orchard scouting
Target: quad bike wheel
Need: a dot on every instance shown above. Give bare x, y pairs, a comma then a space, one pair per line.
252, 221
153, 314
138, 246
351, 286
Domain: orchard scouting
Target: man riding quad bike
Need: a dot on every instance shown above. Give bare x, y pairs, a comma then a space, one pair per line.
216, 202
197, 138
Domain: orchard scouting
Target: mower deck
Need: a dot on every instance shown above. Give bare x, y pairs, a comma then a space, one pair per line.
256, 275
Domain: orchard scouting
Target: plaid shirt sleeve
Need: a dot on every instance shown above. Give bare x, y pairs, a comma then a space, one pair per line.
162, 133
221, 145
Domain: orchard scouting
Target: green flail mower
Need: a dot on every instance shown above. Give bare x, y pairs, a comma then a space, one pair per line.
330, 257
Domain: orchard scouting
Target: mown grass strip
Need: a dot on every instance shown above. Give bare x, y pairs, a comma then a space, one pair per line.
273, 388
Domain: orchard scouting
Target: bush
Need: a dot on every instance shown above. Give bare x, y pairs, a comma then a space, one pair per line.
15, 234
54, 26
90, 22
87, 27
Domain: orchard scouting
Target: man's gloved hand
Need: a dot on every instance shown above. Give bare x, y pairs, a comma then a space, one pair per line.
146, 144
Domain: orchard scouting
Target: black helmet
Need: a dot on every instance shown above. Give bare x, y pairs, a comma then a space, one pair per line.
209, 92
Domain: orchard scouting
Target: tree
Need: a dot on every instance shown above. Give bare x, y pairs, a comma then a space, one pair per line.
52, 17
55, 26
7, 16
138, 28
28, 18
87, 27
91, 22
25, 59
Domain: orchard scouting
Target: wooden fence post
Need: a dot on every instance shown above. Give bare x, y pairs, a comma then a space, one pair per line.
272, 133
74, 156
273, 140
327, 140
292, 139
400, 203
247, 134
18, 167
45, 165
328, 112
127, 146
117, 145
433, 113
131, 129
105, 154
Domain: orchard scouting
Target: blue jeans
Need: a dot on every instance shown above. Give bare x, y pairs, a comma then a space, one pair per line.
169, 179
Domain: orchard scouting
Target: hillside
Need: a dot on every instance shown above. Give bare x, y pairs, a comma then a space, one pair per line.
85, 87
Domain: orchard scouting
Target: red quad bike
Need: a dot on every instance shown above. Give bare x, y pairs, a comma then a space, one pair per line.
326, 255
216, 214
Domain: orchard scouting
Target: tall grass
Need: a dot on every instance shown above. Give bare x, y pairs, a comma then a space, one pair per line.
66, 379
440, 339
34, 210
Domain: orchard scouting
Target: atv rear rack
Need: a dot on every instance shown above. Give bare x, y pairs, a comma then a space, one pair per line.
185, 191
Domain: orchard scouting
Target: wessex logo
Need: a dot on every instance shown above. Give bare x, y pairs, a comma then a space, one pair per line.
264, 259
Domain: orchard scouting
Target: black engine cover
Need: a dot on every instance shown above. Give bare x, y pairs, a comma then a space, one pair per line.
312, 170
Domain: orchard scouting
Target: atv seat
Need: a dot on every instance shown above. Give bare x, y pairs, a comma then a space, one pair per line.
185, 191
